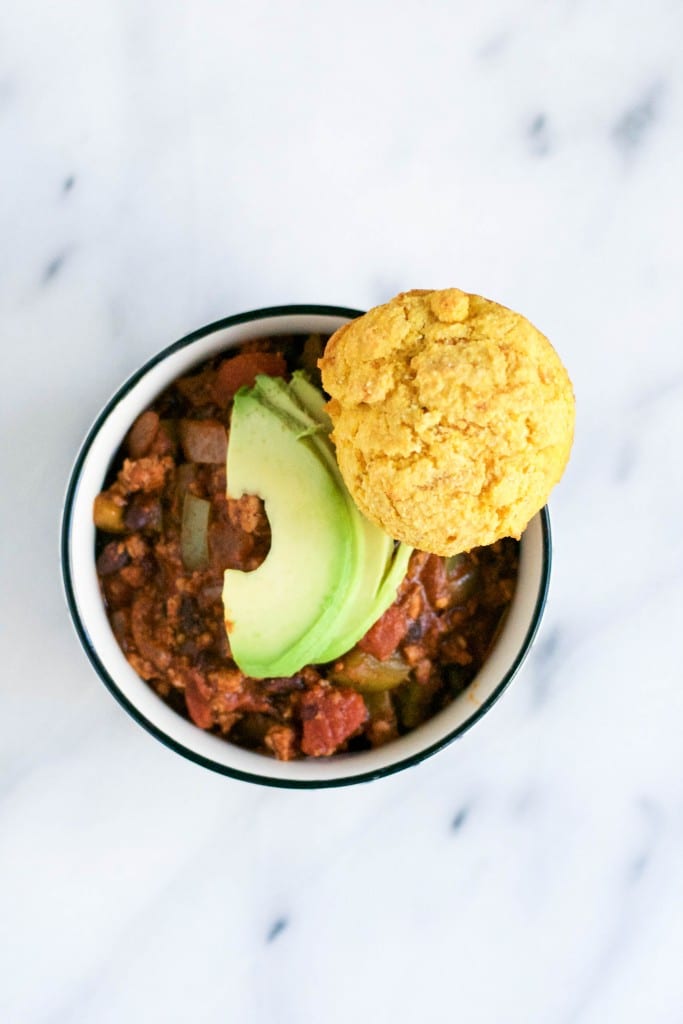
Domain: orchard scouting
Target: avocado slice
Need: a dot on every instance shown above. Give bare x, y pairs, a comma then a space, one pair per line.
379, 565
277, 614
311, 398
363, 611
308, 422
373, 568
298, 397
385, 563
281, 397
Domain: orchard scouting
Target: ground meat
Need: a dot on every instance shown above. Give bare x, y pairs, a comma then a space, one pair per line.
246, 512
168, 619
151, 634
281, 740
147, 474
382, 725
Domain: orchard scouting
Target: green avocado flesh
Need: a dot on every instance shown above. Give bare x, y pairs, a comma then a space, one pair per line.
359, 614
311, 398
330, 573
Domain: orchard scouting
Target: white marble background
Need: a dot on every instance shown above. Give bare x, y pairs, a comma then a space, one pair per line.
166, 163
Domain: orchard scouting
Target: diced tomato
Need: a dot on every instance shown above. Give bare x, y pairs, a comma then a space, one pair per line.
382, 639
241, 371
330, 715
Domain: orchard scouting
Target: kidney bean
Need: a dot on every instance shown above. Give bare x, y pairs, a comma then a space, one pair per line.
112, 558
143, 512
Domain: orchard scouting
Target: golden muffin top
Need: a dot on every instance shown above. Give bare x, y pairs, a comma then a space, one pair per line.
453, 418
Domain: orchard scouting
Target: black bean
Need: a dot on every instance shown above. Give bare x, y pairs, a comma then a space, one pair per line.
415, 632
283, 684
457, 677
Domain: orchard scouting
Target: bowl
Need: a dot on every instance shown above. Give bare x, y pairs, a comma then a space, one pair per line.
92, 626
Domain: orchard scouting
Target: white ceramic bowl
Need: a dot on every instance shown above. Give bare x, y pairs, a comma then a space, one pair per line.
91, 623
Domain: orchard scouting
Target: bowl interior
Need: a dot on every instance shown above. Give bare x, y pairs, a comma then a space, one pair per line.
93, 627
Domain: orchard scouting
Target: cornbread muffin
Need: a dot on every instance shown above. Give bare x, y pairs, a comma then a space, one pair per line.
453, 418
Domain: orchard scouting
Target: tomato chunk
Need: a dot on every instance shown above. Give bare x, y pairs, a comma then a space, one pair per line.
382, 639
241, 371
330, 715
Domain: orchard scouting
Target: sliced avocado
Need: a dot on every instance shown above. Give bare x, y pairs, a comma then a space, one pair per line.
358, 615
373, 567
277, 393
381, 570
370, 569
395, 572
278, 615
311, 398
372, 548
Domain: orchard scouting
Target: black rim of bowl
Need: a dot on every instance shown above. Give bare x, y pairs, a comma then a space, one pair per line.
110, 683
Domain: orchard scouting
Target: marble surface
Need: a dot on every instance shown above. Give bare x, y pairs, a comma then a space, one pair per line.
164, 164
